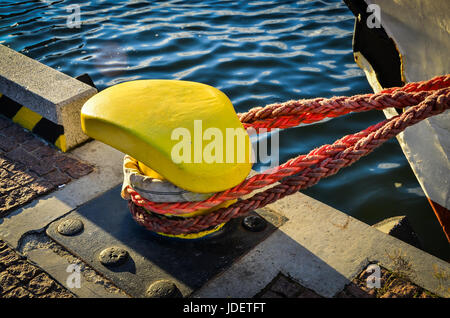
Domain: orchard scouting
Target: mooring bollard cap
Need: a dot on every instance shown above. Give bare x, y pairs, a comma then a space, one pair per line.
175, 128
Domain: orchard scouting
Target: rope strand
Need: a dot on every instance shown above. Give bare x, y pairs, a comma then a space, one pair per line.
305, 170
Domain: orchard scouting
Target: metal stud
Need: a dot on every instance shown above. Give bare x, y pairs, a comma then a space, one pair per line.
163, 289
70, 227
113, 256
254, 223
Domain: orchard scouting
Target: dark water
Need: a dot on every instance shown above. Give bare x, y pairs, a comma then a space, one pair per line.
256, 52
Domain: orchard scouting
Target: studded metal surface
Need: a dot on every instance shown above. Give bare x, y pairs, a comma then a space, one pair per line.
189, 264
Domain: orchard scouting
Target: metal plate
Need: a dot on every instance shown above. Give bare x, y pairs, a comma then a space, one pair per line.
188, 263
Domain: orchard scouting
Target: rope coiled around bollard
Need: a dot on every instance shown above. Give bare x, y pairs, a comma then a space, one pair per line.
303, 171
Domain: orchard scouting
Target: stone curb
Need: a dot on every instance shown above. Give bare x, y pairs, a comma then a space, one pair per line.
53, 95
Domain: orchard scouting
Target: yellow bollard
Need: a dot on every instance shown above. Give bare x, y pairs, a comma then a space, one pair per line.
180, 133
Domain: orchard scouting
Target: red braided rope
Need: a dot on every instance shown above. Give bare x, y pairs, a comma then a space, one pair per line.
357, 103
292, 113
378, 101
310, 168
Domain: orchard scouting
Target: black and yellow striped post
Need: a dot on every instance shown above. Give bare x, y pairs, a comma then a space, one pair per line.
34, 122
28, 119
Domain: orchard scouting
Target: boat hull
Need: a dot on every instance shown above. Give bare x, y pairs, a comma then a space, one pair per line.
396, 42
